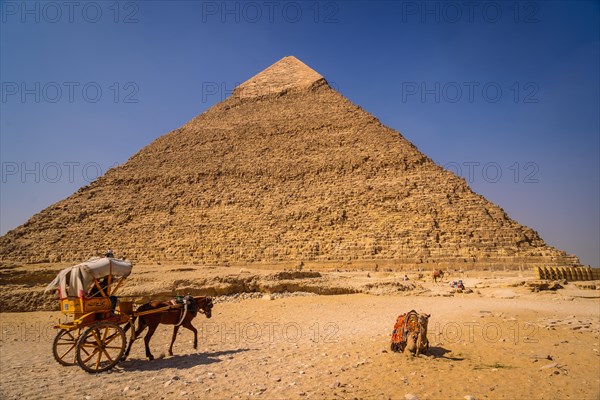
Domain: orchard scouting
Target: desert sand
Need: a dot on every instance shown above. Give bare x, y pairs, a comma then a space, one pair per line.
502, 341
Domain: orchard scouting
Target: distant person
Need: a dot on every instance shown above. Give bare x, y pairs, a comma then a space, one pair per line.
109, 254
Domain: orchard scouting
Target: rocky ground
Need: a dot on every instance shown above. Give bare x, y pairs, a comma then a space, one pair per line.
502, 340
23, 285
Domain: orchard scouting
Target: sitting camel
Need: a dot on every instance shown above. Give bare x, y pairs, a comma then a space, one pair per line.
416, 341
410, 333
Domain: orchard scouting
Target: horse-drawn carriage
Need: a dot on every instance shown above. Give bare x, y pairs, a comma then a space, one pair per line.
93, 335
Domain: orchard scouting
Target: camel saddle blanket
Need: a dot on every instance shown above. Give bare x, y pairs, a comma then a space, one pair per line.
405, 324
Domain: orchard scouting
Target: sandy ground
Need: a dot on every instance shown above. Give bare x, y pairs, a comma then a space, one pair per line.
500, 343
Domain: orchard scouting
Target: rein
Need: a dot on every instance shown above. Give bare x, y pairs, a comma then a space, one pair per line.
183, 314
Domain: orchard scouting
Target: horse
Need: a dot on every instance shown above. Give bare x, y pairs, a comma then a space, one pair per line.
438, 273
177, 315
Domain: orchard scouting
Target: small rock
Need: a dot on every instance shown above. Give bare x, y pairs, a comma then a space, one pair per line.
410, 396
126, 388
167, 383
469, 397
548, 366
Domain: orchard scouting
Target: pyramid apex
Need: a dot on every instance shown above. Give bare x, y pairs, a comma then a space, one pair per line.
286, 74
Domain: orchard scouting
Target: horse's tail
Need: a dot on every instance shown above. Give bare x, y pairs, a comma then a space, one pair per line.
141, 320
130, 324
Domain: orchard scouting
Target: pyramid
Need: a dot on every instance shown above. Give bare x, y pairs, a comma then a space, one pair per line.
285, 170
289, 73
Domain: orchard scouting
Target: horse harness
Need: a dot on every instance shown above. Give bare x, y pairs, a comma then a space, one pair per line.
186, 305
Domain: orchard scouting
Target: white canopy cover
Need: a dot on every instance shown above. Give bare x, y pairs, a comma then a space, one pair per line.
74, 281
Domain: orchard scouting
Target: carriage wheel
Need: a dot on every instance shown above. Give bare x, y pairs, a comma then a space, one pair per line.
100, 347
64, 346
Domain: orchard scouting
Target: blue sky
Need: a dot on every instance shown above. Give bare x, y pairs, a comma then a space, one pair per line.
505, 94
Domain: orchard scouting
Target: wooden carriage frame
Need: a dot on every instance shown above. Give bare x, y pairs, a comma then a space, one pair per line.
92, 336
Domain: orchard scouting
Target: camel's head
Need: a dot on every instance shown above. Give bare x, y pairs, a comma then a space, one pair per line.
424, 320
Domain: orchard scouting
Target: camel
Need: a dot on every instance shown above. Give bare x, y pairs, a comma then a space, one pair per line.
438, 273
410, 333
416, 341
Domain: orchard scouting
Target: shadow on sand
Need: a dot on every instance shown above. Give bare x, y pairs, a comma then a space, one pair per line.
184, 361
440, 352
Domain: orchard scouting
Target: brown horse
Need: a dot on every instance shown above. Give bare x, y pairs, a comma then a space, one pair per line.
176, 314
438, 273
